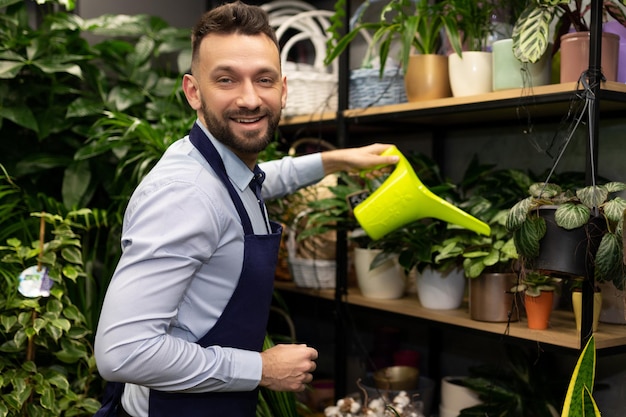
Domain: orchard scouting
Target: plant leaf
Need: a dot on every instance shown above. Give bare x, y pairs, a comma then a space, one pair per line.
531, 34
571, 216
582, 377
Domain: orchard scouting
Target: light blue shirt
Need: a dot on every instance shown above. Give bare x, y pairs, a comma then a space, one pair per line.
182, 244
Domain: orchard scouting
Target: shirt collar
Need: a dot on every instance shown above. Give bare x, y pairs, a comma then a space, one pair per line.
237, 171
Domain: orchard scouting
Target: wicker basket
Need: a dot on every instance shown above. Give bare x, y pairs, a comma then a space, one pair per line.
312, 87
368, 89
309, 272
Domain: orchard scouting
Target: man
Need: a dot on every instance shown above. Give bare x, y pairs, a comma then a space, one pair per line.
184, 317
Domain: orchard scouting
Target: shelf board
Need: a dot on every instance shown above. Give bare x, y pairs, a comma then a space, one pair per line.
562, 331
546, 101
307, 119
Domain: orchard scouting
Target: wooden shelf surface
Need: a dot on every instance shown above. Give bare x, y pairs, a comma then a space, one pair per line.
545, 101
562, 331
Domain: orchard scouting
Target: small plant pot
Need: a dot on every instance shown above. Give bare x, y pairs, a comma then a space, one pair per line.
490, 298
471, 74
386, 281
438, 290
538, 310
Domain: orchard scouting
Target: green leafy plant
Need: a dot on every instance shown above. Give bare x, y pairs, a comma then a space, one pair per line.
105, 111
521, 387
531, 32
416, 24
533, 282
488, 194
417, 244
47, 363
474, 21
574, 210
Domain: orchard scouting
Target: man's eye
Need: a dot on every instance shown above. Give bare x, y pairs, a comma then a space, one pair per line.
224, 80
266, 81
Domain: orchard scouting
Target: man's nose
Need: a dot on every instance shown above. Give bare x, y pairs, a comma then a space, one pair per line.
248, 96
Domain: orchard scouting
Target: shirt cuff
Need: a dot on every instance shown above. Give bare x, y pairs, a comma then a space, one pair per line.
249, 369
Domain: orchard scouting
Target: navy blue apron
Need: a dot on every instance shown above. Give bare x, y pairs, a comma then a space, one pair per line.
243, 322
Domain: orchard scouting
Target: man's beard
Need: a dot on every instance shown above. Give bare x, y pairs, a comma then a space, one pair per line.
252, 142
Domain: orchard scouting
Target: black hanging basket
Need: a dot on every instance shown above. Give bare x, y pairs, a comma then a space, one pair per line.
569, 252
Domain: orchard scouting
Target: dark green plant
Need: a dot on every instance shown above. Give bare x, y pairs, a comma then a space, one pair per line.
521, 387
416, 24
531, 33
488, 194
105, 112
574, 210
474, 22
47, 362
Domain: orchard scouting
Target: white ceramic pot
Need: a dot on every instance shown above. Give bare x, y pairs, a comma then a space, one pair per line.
386, 281
441, 290
471, 74
455, 397
509, 72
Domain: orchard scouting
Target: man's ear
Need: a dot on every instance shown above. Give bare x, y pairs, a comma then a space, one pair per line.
192, 91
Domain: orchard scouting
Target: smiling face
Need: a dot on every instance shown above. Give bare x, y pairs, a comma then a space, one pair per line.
238, 91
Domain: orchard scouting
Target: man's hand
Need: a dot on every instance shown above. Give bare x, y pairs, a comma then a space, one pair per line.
288, 367
355, 159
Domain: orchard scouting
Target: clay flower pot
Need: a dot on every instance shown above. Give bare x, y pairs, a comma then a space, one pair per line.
538, 310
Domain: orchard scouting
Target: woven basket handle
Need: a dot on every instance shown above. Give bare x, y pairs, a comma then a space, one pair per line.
312, 25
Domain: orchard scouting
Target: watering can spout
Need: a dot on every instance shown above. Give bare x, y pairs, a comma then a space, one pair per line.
402, 199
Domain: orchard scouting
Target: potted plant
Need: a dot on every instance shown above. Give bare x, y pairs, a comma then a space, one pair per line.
524, 384
378, 274
471, 71
417, 26
508, 71
539, 291
531, 33
577, 295
491, 262
582, 215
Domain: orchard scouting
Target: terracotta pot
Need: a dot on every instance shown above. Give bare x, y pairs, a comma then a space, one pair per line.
509, 72
616, 27
490, 298
426, 77
471, 74
575, 55
577, 303
538, 310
